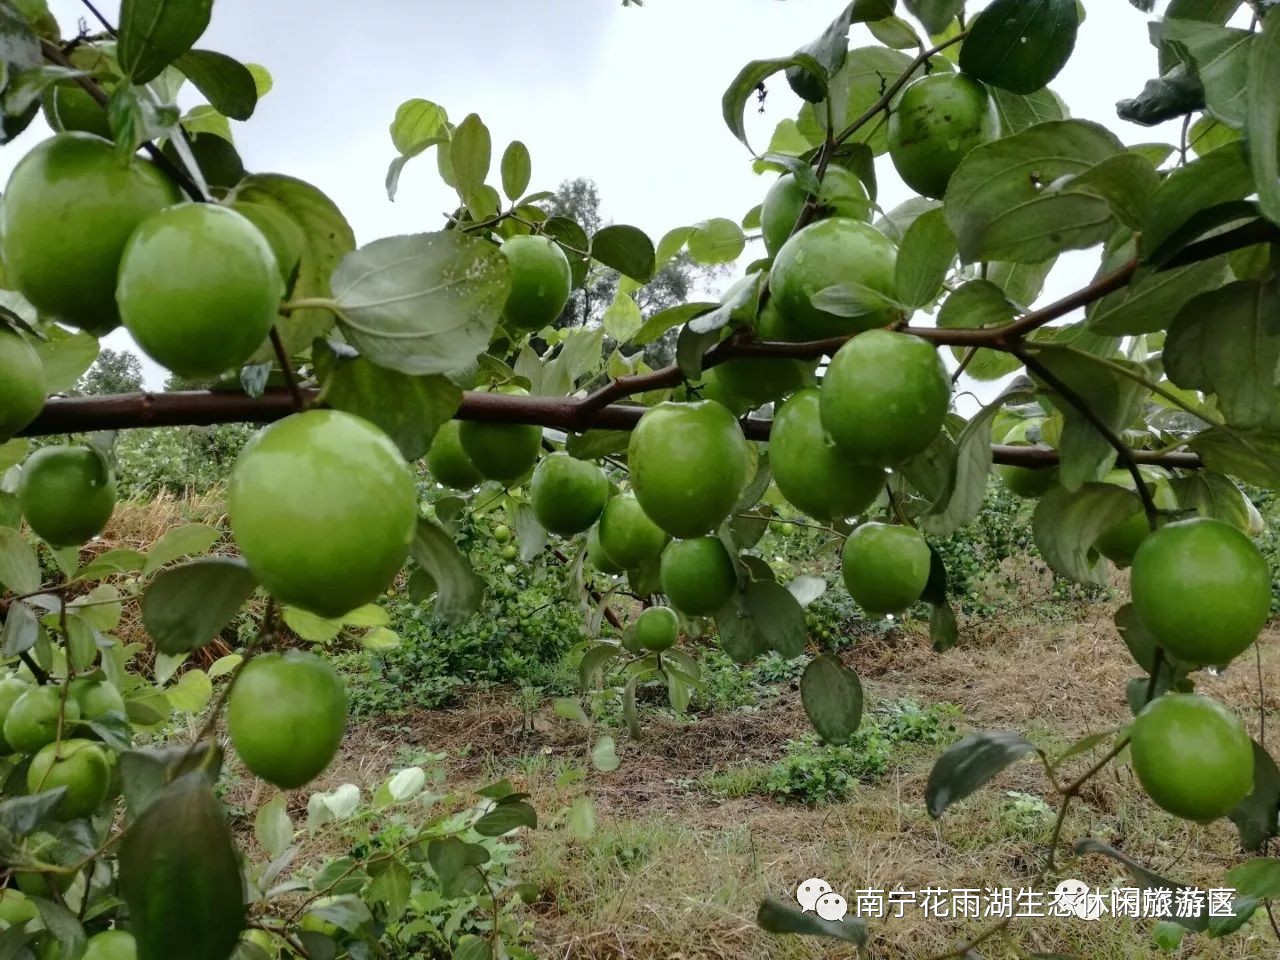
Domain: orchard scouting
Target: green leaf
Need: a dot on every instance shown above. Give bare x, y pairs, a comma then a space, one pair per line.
627, 250
226, 82
192, 692
716, 241
966, 492
19, 568
422, 304
1180, 209
831, 47
582, 818
1262, 117
737, 632
517, 170
1217, 496
455, 864
1017, 112
972, 305
1020, 45
935, 15
1126, 181
1177, 93
604, 756
186, 606
417, 122
1066, 525
327, 239
776, 917
180, 876
895, 32
927, 251
1255, 815
665, 320
777, 616
458, 589
1153, 299
470, 152
42, 21
969, 764
20, 631
1221, 59
66, 357
506, 817
1002, 203
392, 886
1250, 455
622, 319
63, 924
832, 698
22, 816
154, 33
1225, 343
1146, 879
181, 541
733, 104
1258, 878
408, 409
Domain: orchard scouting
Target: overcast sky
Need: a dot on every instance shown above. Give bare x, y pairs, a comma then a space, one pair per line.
627, 96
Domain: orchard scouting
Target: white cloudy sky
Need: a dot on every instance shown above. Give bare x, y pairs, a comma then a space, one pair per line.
629, 97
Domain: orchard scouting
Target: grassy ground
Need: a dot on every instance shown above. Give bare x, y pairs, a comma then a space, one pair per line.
689, 838
685, 846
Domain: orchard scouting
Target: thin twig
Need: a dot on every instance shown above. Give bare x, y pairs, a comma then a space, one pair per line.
290, 378
1075, 400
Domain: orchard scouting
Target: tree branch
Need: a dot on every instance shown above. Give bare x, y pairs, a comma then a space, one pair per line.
63, 415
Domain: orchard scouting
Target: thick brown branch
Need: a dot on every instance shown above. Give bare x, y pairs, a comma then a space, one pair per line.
63, 415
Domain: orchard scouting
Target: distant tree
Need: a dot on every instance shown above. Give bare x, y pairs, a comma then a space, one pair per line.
115, 371
675, 283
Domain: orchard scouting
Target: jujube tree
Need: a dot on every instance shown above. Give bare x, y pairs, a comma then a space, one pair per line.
825, 376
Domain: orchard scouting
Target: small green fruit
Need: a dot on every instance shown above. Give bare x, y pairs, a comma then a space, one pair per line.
884, 397
1192, 756
96, 698
1202, 589
689, 463
79, 765
68, 212
540, 282
842, 195
22, 383
885, 567
501, 533
447, 461
32, 721
628, 538
114, 945
938, 119
323, 509
501, 451
67, 494
1027, 482
656, 628
286, 716
68, 108
567, 494
1119, 542
509, 552
596, 555
697, 576
11, 688
840, 252
15, 909
814, 474
199, 288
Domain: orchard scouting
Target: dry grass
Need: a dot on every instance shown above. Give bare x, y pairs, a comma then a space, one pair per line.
674, 872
